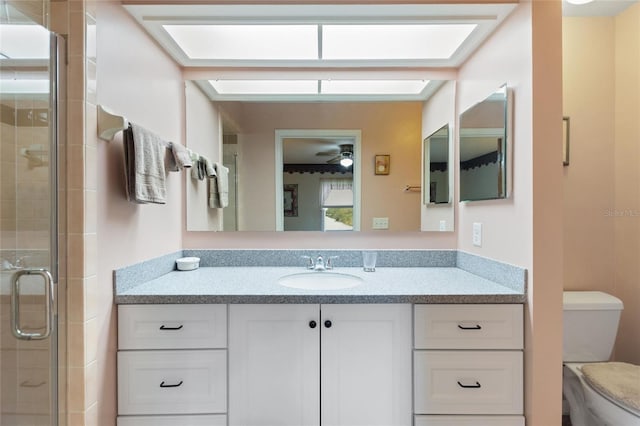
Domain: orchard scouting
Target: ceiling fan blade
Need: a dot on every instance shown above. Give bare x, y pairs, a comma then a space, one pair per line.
335, 159
327, 153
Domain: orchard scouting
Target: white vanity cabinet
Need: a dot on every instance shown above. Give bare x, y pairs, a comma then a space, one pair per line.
468, 365
172, 365
320, 365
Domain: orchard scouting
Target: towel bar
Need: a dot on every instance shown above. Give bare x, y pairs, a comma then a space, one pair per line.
109, 123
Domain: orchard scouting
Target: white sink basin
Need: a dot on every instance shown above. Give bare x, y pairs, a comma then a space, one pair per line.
320, 280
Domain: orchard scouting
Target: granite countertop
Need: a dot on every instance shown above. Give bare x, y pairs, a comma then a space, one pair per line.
258, 284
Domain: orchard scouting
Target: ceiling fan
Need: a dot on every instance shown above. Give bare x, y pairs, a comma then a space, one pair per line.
344, 156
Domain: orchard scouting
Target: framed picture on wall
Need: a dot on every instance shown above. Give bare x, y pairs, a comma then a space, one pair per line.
565, 140
382, 163
290, 200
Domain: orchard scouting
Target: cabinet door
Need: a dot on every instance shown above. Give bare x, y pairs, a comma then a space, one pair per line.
274, 365
366, 365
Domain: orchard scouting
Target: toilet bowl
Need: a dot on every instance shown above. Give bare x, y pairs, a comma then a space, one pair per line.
590, 323
590, 407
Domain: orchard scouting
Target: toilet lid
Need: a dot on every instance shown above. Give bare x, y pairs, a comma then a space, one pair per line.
619, 381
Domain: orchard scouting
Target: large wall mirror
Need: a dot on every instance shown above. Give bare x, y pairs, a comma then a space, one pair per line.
485, 148
436, 167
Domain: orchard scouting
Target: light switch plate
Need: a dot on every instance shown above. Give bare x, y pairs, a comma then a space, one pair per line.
443, 225
477, 234
380, 223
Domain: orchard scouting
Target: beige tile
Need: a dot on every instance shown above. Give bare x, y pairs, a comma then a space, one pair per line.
91, 416
91, 125
75, 256
91, 340
76, 419
91, 85
91, 297
75, 118
76, 343
58, 17
90, 211
76, 33
76, 382
76, 78
91, 384
76, 211
75, 168
91, 174
76, 300
90, 254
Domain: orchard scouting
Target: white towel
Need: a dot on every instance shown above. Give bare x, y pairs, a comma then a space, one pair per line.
219, 187
181, 156
144, 156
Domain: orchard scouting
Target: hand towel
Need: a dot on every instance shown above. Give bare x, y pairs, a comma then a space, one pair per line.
219, 188
144, 165
170, 164
209, 169
181, 156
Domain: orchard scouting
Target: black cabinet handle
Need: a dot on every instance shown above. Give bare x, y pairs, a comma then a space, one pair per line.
162, 385
162, 327
475, 327
327, 324
312, 324
476, 386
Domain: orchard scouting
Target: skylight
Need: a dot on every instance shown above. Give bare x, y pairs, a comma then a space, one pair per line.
427, 41
265, 87
339, 42
246, 42
373, 87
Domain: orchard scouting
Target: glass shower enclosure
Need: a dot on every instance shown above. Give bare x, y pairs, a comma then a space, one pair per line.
29, 69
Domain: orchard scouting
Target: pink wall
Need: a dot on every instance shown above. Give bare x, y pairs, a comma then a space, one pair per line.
526, 229
140, 82
627, 179
602, 201
589, 179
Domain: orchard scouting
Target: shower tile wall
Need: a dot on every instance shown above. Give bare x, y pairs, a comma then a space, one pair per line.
24, 192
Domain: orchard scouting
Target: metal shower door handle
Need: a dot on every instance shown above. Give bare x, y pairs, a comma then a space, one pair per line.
15, 304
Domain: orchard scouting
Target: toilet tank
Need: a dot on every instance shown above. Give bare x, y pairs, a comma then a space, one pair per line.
590, 324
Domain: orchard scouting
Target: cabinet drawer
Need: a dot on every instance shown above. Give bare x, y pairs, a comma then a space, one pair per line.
468, 421
468, 382
215, 420
172, 326
468, 327
172, 382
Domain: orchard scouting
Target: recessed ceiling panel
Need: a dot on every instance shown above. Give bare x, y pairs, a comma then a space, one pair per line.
246, 42
265, 87
373, 87
386, 42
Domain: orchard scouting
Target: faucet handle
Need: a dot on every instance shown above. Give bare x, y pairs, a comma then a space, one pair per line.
310, 264
329, 264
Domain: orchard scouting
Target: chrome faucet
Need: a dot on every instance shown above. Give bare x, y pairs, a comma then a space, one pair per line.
320, 264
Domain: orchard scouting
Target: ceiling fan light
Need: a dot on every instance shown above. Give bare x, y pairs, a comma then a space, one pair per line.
347, 159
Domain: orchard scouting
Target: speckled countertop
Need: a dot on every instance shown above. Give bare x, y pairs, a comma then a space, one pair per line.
259, 284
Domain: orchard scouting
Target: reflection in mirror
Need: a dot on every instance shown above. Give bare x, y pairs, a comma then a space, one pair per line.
436, 163
319, 180
484, 148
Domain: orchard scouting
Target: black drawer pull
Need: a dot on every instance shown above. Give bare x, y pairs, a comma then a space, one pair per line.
312, 324
476, 386
328, 324
162, 385
475, 327
162, 327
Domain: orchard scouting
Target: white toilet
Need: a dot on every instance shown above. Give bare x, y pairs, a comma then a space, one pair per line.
590, 321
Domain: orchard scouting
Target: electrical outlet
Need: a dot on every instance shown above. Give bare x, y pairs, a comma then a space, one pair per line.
380, 223
477, 234
443, 225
